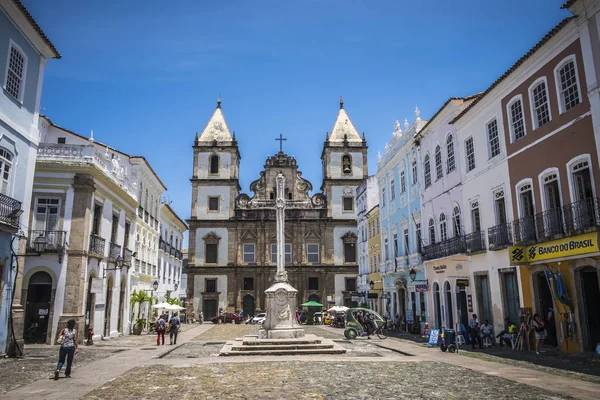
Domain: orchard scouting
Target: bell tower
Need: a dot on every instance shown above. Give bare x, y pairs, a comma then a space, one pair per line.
344, 160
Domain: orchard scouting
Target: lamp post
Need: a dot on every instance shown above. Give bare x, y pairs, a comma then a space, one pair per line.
412, 274
40, 243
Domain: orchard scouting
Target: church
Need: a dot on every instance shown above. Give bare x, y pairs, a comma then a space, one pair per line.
232, 239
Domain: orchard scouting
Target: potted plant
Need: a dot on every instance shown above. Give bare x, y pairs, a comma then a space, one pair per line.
140, 298
138, 327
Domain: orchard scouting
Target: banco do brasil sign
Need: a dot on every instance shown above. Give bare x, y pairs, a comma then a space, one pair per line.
582, 244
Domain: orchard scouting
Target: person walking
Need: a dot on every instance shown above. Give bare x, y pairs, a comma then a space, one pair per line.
540, 332
67, 339
201, 317
193, 317
173, 329
161, 326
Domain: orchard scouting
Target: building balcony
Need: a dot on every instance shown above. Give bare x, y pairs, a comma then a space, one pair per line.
401, 263
162, 245
10, 211
571, 219
97, 245
500, 236
475, 242
382, 268
146, 216
55, 241
447, 248
114, 250
415, 260
127, 256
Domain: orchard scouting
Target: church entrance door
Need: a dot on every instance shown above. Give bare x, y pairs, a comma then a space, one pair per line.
248, 305
209, 308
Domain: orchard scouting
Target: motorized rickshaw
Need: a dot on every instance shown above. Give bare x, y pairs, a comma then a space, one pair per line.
354, 328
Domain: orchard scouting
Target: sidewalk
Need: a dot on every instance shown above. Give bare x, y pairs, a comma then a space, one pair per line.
97, 373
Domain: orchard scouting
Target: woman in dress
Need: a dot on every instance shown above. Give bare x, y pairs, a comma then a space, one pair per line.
67, 339
540, 332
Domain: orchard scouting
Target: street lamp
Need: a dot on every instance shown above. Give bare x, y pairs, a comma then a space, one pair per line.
412, 274
175, 287
40, 243
155, 285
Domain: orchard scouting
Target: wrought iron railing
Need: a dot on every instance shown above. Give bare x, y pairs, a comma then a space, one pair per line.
114, 250
9, 211
97, 245
499, 236
455, 245
55, 241
127, 256
581, 215
179, 254
524, 230
475, 242
162, 245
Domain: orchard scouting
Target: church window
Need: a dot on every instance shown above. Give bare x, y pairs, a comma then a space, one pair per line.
211, 285
347, 164
312, 253
289, 196
288, 253
211, 253
248, 283
214, 164
248, 253
213, 203
313, 283
349, 252
350, 284
348, 204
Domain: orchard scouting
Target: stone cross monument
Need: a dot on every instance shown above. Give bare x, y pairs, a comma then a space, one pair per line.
281, 296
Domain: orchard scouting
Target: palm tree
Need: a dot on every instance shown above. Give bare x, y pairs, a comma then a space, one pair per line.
140, 297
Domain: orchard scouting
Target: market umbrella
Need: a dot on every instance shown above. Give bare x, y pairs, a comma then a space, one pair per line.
173, 307
338, 309
312, 304
161, 305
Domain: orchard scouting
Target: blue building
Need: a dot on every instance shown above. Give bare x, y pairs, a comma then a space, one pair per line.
24, 49
399, 179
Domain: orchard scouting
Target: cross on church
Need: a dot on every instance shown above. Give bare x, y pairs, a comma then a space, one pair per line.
281, 139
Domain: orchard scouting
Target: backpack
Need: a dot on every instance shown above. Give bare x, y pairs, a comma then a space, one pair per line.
174, 324
160, 324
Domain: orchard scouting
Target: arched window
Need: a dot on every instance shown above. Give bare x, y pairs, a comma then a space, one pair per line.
427, 171
539, 104
456, 221
568, 85
443, 229
5, 165
438, 163
450, 154
214, 164
431, 231
346, 164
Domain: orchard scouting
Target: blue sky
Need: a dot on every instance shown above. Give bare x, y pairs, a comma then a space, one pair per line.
145, 76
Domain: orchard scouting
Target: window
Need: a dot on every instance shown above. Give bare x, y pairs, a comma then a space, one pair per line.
402, 182
439, 171
386, 248
427, 171
392, 190
395, 244
431, 231
418, 229
582, 181
127, 229
47, 214
493, 140
475, 218
15, 73
450, 151
456, 221
517, 124
214, 164
248, 283
288, 253
470, 154
346, 164
414, 171
114, 228
443, 228
541, 110
377, 225
62, 140
211, 285
312, 253
5, 164
349, 252
213, 203
552, 196
350, 284
211, 248
348, 204
96, 220
383, 197
248, 253
313, 283
406, 246
569, 87
500, 207
526, 197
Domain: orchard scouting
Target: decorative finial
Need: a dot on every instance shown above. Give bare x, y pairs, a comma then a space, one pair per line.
417, 113
341, 102
219, 102
233, 135
363, 137
326, 135
397, 128
387, 147
197, 136
378, 156
91, 139
405, 123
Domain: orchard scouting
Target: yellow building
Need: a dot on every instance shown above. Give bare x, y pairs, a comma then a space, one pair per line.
374, 253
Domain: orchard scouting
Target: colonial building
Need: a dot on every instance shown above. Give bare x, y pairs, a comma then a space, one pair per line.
447, 246
367, 198
170, 255
399, 181
373, 282
232, 246
24, 51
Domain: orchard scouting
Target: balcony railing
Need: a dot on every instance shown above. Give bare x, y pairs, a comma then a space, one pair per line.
475, 242
449, 247
571, 219
127, 256
97, 245
55, 241
178, 254
162, 245
499, 236
9, 211
114, 250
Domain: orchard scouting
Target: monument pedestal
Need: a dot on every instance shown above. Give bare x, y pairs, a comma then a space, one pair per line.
281, 320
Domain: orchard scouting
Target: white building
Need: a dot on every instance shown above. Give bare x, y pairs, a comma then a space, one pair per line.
24, 49
170, 255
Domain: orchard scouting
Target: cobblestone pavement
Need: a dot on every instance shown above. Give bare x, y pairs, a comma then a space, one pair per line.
315, 380
40, 362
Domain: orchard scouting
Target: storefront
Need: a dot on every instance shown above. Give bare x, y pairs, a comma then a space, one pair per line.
560, 281
406, 297
449, 293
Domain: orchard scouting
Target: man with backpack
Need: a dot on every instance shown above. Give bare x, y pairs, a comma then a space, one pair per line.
160, 330
173, 329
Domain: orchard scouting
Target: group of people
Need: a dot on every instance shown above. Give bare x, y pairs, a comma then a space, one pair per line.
161, 328
367, 320
200, 317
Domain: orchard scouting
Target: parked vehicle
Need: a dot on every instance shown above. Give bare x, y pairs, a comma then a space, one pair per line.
258, 319
227, 318
355, 328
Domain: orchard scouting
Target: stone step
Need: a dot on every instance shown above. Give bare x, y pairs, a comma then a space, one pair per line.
290, 352
282, 347
273, 342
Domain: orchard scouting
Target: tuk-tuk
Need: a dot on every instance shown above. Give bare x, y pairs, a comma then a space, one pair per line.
355, 328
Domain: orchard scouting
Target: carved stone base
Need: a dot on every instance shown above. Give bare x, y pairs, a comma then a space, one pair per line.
15, 348
281, 320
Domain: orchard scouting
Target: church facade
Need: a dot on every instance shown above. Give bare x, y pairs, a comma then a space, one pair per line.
232, 240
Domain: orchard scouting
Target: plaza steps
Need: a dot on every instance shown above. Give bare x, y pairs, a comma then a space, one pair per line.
253, 346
